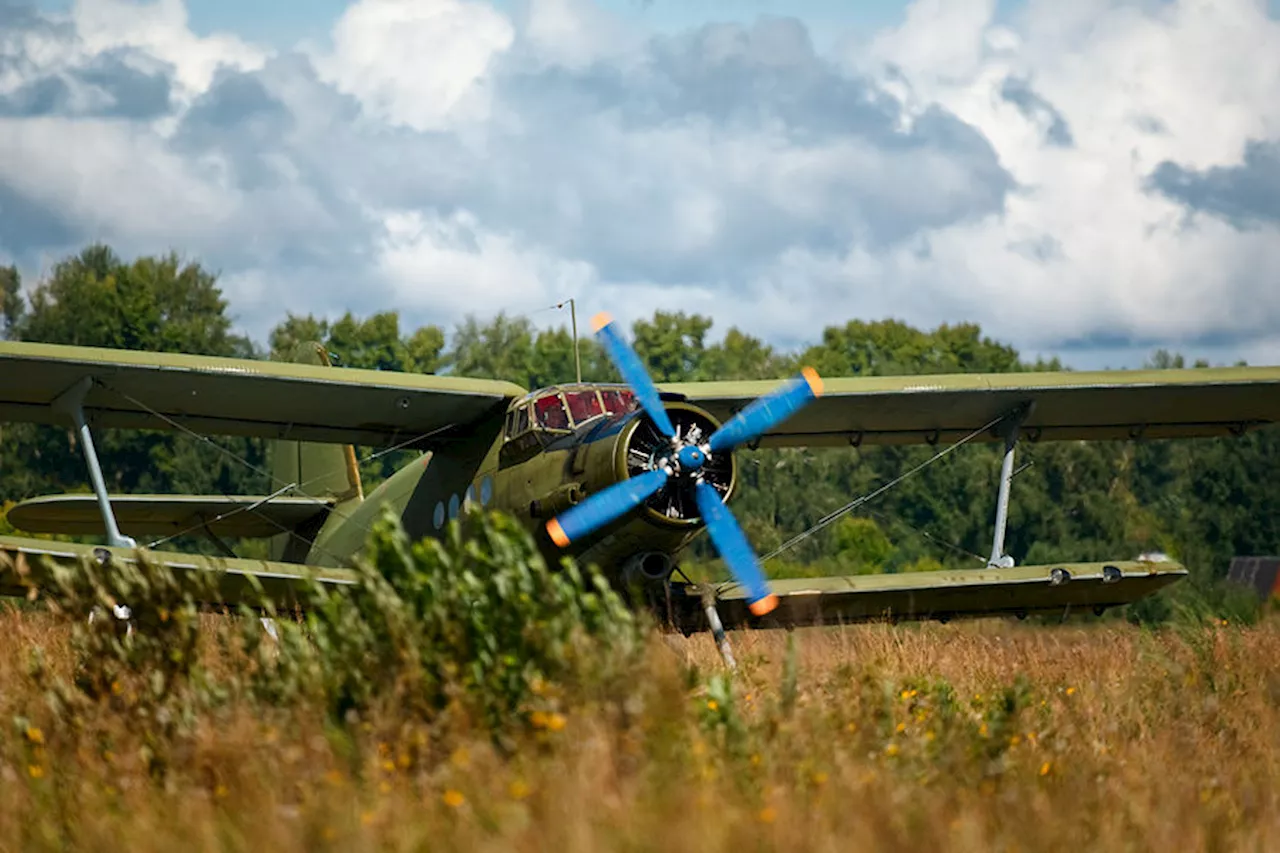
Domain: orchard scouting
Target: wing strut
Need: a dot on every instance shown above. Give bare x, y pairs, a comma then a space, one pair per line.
1009, 429
71, 402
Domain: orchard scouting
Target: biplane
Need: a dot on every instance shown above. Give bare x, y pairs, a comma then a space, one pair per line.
622, 475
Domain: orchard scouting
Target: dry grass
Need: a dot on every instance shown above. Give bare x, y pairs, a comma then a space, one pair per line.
979, 736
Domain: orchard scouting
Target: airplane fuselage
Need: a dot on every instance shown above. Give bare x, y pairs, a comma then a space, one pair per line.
545, 454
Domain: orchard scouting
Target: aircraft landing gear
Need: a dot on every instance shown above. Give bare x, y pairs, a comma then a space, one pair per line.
717, 627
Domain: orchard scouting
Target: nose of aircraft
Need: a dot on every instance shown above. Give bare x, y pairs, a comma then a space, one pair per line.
690, 458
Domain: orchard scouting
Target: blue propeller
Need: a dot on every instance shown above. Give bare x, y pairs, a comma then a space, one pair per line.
633, 373
764, 412
605, 506
686, 461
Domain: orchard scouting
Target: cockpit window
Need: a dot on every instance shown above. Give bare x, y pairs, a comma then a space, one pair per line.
522, 420
583, 405
550, 412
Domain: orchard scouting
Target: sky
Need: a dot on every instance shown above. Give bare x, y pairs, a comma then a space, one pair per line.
1092, 180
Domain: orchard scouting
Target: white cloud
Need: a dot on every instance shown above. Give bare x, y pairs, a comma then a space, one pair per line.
443, 158
160, 28
418, 63
171, 204
1191, 82
452, 266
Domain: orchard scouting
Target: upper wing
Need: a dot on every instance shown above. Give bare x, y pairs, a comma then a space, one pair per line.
229, 396
1097, 405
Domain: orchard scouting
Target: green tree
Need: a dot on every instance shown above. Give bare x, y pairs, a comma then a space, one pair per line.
861, 545
372, 343
511, 348
671, 345
12, 306
155, 304
741, 356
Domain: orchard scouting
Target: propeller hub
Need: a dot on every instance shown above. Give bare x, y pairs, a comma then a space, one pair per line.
690, 457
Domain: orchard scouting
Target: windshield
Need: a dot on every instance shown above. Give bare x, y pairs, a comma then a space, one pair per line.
584, 405
550, 413
618, 401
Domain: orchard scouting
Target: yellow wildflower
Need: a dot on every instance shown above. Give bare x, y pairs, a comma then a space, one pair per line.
453, 799
902, 727
555, 722
1045, 768
768, 814
518, 789
35, 770
35, 735
712, 705
1071, 691
891, 750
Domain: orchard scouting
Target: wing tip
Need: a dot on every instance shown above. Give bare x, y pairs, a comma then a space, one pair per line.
601, 320
556, 532
815, 381
761, 606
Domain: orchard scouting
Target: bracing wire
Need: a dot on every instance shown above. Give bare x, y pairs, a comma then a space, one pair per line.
299, 488
859, 501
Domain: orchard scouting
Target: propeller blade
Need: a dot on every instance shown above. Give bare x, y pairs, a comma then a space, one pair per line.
633, 373
732, 544
605, 506
767, 411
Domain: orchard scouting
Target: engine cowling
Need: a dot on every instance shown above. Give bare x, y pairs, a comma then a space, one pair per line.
640, 443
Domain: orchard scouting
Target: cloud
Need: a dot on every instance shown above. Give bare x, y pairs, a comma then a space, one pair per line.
1037, 109
1244, 195
446, 157
105, 85
417, 64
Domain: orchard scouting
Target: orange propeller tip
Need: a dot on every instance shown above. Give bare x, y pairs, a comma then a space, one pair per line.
601, 320
815, 381
556, 532
764, 605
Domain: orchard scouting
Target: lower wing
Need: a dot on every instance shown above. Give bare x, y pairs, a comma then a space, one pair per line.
1060, 589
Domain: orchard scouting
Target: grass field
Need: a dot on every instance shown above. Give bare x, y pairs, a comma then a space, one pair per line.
989, 735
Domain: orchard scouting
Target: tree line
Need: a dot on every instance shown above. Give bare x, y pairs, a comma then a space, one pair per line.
1199, 501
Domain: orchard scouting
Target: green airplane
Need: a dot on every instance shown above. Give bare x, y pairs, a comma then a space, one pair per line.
624, 475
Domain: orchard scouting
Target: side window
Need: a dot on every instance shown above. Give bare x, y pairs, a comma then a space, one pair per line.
551, 413
522, 420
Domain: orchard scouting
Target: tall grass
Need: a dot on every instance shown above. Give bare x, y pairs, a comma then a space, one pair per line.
423, 715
